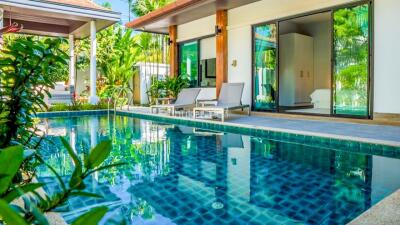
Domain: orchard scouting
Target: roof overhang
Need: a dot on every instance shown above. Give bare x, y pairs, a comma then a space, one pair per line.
51, 18
181, 12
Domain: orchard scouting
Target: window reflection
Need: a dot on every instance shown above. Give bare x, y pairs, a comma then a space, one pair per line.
176, 172
265, 64
351, 60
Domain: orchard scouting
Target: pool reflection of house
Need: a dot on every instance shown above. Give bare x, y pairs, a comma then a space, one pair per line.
314, 57
198, 175
252, 177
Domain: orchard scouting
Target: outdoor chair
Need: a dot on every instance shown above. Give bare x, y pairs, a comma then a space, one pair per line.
186, 100
230, 98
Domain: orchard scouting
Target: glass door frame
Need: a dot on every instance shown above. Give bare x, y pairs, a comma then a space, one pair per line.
198, 57
253, 64
370, 88
198, 40
370, 82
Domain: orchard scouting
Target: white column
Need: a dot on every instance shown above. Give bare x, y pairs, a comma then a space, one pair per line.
93, 99
72, 63
1, 25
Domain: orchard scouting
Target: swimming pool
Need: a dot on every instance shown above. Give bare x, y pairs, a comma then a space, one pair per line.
184, 175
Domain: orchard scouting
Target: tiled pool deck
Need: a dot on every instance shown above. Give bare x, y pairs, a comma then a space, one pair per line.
382, 134
369, 133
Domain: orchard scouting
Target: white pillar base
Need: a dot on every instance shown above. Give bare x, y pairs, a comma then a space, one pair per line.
94, 100
72, 65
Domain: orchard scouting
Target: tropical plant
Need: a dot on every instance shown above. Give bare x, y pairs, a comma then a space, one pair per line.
57, 74
119, 69
26, 69
142, 7
76, 106
117, 56
351, 29
156, 90
152, 47
175, 84
37, 203
27, 66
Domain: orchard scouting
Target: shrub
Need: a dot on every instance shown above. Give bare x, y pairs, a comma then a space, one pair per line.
26, 69
60, 107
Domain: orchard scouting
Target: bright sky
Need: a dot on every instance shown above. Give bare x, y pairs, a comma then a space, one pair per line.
118, 6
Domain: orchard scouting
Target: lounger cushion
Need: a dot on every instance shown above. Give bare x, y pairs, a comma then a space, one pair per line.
231, 94
187, 96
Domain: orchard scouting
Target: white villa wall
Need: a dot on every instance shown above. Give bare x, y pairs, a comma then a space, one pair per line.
208, 48
239, 49
200, 28
197, 28
82, 80
240, 20
268, 10
386, 56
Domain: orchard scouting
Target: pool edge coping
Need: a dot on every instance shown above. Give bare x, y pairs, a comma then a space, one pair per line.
384, 212
273, 129
226, 123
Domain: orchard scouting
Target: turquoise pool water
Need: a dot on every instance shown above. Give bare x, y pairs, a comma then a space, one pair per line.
183, 175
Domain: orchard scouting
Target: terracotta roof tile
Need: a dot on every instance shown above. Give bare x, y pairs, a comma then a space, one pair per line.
80, 3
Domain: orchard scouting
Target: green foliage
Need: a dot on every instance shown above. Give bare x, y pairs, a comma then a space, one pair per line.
156, 90
29, 66
25, 65
57, 74
76, 106
36, 204
351, 34
116, 58
142, 7
11, 159
92, 217
170, 87
9, 216
98, 154
175, 84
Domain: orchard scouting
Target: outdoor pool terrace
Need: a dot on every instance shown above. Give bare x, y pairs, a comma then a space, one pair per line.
181, 171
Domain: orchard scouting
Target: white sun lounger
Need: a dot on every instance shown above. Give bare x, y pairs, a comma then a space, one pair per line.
230, 98
186, 99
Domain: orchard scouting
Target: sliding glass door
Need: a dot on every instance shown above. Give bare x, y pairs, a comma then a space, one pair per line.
189, 61
351, 40
265, 67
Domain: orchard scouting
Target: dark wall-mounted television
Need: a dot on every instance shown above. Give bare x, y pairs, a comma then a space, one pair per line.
208, 68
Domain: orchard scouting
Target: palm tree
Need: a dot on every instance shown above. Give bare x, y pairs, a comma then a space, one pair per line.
129, 8
142, 7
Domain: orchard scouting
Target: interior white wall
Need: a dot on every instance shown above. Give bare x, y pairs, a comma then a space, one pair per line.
195, 29
208, 48
322, 53
386, 56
